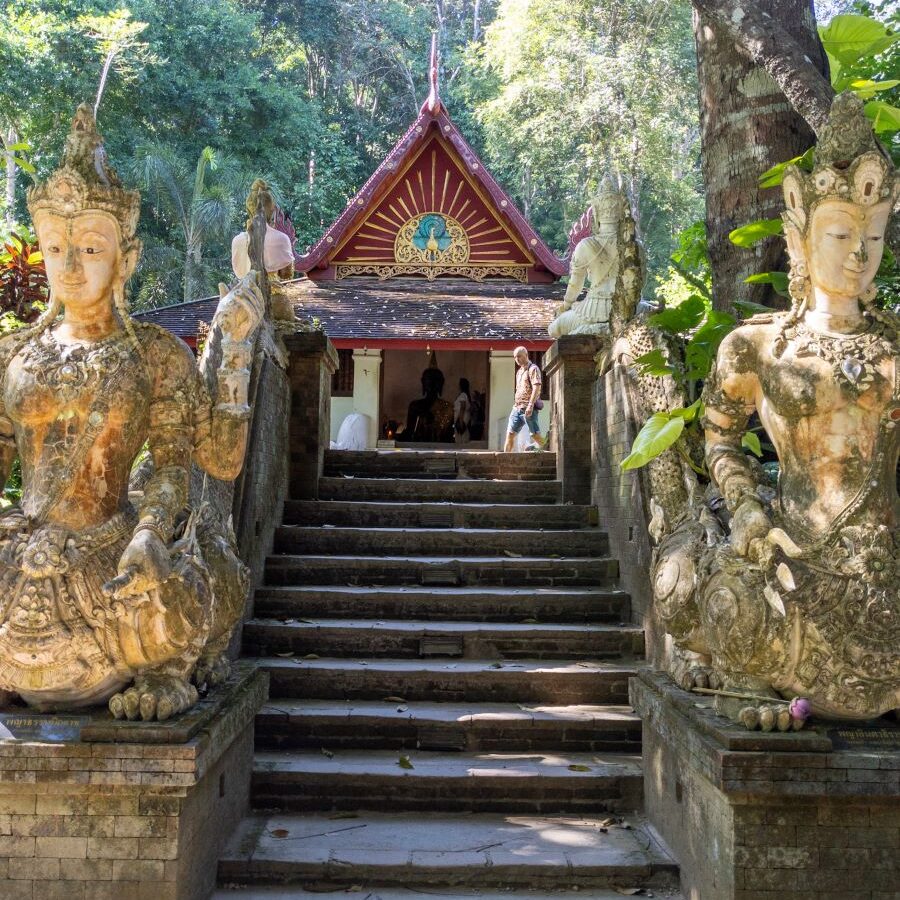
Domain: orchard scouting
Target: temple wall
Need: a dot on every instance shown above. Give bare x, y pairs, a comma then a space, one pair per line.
622, 499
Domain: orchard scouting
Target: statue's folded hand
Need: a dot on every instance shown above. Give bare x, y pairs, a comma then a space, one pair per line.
749, 527
143, 566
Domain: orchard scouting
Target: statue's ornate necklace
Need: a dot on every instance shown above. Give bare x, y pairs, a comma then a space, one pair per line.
69, 368
853, 358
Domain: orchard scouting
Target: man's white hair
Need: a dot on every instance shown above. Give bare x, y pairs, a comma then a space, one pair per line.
519, 351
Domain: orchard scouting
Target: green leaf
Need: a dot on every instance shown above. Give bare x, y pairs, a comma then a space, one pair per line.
866, 88
778, 280
774, 176
704, 344
754, 232
404, 763
681, 318
849, 38
21, 147
578, 767
884, 116
658, 434
654, 363
747, 308
35, 258
24, 165
750, 441
688, 413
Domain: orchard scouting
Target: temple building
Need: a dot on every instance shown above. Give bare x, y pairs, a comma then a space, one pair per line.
430, 266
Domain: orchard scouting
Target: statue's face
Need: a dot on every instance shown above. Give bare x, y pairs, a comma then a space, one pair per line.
83, 257
844, 246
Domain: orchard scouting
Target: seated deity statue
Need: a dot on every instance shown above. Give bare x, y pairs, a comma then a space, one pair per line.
109, 594
595, 259
430, 419
278, 252
802, 598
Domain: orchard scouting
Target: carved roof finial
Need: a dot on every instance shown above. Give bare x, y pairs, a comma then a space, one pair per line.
433, 102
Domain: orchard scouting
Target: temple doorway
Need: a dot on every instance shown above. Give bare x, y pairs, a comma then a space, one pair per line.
442, 371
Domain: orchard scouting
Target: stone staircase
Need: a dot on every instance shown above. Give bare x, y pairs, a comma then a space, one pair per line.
449, 659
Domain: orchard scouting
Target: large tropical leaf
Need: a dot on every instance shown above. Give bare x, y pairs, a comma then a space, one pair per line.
682, 318
848, 38
754, 232
885, 118
658, 434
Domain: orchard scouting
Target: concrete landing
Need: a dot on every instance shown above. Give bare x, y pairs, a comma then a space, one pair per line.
472, 851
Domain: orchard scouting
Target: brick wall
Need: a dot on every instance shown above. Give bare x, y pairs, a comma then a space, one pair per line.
106, 821
786, 815
620, 497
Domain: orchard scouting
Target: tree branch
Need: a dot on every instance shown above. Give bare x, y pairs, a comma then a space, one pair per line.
766, 43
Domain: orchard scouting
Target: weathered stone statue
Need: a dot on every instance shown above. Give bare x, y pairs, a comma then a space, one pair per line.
596, 259
106, 596
277, 250
803, 598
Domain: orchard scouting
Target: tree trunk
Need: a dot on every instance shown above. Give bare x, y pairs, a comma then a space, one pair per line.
11, 138
747, 126
193, 265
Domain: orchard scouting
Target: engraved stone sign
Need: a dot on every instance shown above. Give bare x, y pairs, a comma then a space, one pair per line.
27, 726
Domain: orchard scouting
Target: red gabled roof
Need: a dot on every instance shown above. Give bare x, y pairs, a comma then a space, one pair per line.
433, 124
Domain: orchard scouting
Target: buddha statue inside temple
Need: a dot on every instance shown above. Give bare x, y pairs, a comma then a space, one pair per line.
109, 595
430, 418
801, 599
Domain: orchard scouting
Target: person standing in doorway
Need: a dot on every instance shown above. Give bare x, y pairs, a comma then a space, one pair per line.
527, 400
462, 412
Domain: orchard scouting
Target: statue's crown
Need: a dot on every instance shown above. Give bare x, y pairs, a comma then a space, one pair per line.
608, 202
848, 164
85, 181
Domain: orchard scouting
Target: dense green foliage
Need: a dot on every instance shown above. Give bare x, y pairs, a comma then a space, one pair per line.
312, 93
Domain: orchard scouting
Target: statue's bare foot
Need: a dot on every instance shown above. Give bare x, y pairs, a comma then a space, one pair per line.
212, 671
152, 697
699, 677
759, 715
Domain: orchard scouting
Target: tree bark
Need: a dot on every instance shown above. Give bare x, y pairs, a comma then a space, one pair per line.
11, 138
747, 126
766, 41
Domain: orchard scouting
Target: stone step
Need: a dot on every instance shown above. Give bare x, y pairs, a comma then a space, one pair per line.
442, 541
432, 490
405, 639
530, 571
440, 464
485, 852
291, 724
497, 604
424, 781
559, 682
292, 892
438, 515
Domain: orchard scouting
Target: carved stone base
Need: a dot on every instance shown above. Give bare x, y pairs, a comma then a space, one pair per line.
100, 810
751, 816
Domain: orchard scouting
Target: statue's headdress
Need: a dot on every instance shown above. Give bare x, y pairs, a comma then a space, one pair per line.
848, 164
85, 181
608, 203
260, 190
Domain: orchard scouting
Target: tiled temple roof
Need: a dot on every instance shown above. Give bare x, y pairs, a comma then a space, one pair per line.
401, 309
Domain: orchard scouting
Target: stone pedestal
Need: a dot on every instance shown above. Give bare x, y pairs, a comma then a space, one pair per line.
313, 360
810, 815
105, 810
569, 364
